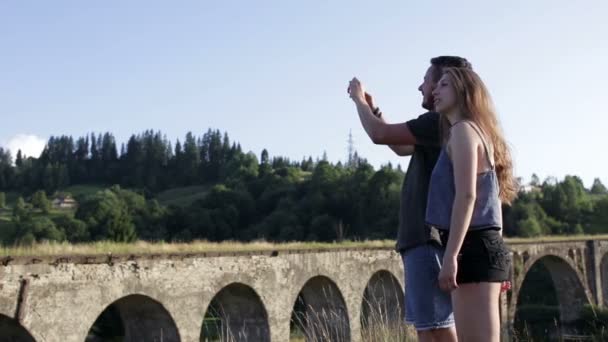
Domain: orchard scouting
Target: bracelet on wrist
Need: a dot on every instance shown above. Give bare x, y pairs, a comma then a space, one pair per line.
376, 111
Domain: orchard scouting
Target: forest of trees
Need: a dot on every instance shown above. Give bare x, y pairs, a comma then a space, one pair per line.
246, 197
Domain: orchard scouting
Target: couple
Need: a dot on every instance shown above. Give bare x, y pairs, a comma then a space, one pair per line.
450, 234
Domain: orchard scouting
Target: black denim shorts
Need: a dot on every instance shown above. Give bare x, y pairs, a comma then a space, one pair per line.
483, 257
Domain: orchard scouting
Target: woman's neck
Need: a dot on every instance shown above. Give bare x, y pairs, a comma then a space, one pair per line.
454, 116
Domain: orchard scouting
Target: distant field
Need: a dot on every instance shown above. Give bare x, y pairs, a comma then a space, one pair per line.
5, 224
6, 227
5, 213
182, 197
84, 189
75, 190
11, 198
142, 247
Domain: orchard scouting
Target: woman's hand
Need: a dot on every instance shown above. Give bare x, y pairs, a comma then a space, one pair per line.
447, 275
355, 90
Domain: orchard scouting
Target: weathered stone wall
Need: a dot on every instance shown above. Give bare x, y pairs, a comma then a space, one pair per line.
64, 296
165, 297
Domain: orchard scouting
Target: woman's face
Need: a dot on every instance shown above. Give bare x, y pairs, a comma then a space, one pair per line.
445, 95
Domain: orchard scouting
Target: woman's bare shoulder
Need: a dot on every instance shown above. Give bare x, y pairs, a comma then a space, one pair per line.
462, 133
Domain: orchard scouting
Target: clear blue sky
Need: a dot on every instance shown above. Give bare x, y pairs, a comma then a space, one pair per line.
274, 73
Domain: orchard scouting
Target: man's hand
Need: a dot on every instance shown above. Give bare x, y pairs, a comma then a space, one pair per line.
355, 89
370, 101
375, 126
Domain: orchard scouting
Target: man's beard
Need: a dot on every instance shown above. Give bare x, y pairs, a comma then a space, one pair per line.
429, 104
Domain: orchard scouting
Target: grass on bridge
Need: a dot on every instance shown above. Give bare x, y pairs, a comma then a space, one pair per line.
141, 247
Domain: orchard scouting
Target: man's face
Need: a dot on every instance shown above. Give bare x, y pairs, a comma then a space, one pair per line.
426, 88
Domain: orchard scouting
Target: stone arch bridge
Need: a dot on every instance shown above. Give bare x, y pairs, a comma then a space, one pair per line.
252, 296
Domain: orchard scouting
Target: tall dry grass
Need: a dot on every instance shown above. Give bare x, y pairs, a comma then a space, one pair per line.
201, 246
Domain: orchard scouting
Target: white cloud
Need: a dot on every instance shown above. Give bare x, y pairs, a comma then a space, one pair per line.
29, 144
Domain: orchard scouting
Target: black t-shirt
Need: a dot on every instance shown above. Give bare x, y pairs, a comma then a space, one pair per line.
412, 227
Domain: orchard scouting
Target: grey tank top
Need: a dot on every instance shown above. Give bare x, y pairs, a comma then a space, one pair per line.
487, 211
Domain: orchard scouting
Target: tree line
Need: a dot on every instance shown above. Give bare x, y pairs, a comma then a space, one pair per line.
243, 197
147, 161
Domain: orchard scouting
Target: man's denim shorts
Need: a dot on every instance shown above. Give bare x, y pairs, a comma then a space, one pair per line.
427, 307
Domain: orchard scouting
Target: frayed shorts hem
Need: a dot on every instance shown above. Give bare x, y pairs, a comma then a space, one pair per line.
432, 326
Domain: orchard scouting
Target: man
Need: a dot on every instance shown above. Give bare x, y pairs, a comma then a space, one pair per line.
427, 307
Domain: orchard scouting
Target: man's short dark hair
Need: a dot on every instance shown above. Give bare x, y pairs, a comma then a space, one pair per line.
448, 62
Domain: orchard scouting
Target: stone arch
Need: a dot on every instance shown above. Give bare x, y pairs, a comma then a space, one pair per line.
382, 308
236, 313
569, 283
320, 312
604, 278
135, 317
12, 331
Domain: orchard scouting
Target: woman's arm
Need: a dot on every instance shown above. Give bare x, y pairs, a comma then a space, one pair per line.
463, 152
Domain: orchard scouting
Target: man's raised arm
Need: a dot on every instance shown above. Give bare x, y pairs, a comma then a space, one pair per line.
397, 136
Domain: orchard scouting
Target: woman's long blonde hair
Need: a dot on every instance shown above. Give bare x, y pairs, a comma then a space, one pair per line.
476, 105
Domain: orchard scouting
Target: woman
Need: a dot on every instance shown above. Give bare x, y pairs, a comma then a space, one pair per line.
472, 178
